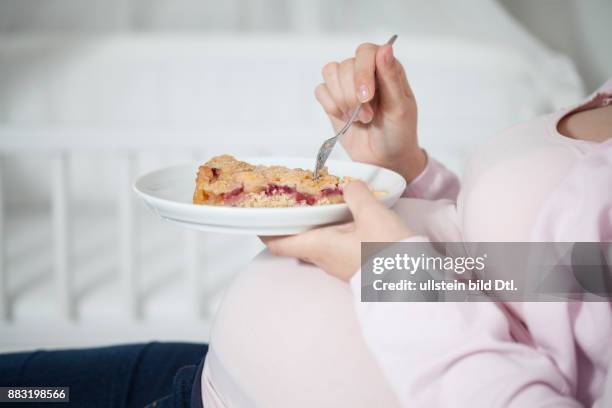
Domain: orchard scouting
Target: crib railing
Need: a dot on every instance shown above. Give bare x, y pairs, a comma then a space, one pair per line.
59, 216
12, 143
5, 312
20, 143
61, 144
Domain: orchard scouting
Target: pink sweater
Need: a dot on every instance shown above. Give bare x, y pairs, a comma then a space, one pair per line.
529, 183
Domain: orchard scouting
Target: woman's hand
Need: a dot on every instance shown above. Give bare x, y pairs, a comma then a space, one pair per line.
385, 132
337, 249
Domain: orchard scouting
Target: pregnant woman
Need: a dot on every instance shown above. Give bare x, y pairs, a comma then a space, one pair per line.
291, 331
294, 334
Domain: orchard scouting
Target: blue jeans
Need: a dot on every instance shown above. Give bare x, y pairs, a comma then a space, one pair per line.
136, 375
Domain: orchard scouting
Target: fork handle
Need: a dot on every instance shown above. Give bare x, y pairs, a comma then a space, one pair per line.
350, 121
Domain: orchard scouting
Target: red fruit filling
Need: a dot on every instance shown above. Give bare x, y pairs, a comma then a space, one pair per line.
237, 194
233, 196
309, 199
305, 198
330, 191
278, 189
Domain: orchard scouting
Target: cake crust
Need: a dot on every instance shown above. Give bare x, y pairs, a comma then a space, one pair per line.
225, 181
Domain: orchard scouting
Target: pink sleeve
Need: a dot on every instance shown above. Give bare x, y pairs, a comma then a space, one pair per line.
434, 183
581, 208
463, 354
458, 354
481, 365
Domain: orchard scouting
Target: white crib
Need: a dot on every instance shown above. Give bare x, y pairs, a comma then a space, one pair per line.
82, 262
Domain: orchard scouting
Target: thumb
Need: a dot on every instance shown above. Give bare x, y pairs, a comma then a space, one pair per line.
302, 246
393, 87
361, 201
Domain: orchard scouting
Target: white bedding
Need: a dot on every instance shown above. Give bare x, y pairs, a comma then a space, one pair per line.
217, 92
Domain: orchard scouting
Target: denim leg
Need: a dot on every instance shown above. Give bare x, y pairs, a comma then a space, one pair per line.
117, 376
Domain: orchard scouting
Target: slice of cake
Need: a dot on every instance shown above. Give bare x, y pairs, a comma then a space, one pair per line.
225, 181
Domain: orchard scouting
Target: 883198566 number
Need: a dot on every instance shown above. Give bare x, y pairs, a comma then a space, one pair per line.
34, 394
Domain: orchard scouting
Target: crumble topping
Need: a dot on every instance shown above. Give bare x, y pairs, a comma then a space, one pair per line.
223, 180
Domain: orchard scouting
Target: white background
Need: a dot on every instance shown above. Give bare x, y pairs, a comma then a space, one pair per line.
170, 81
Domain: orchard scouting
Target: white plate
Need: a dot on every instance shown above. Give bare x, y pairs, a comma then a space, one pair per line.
169, 192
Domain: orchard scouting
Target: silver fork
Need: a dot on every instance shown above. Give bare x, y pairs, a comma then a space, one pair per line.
328, 145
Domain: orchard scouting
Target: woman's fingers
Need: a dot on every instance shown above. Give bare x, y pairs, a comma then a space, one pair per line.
339, 92
340, 260
357, 80
365, 68
302, 246
364, 78
332, 82
395, 93
361, 201
327, 102
346, 73
336, 116
310, 246
373, 221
